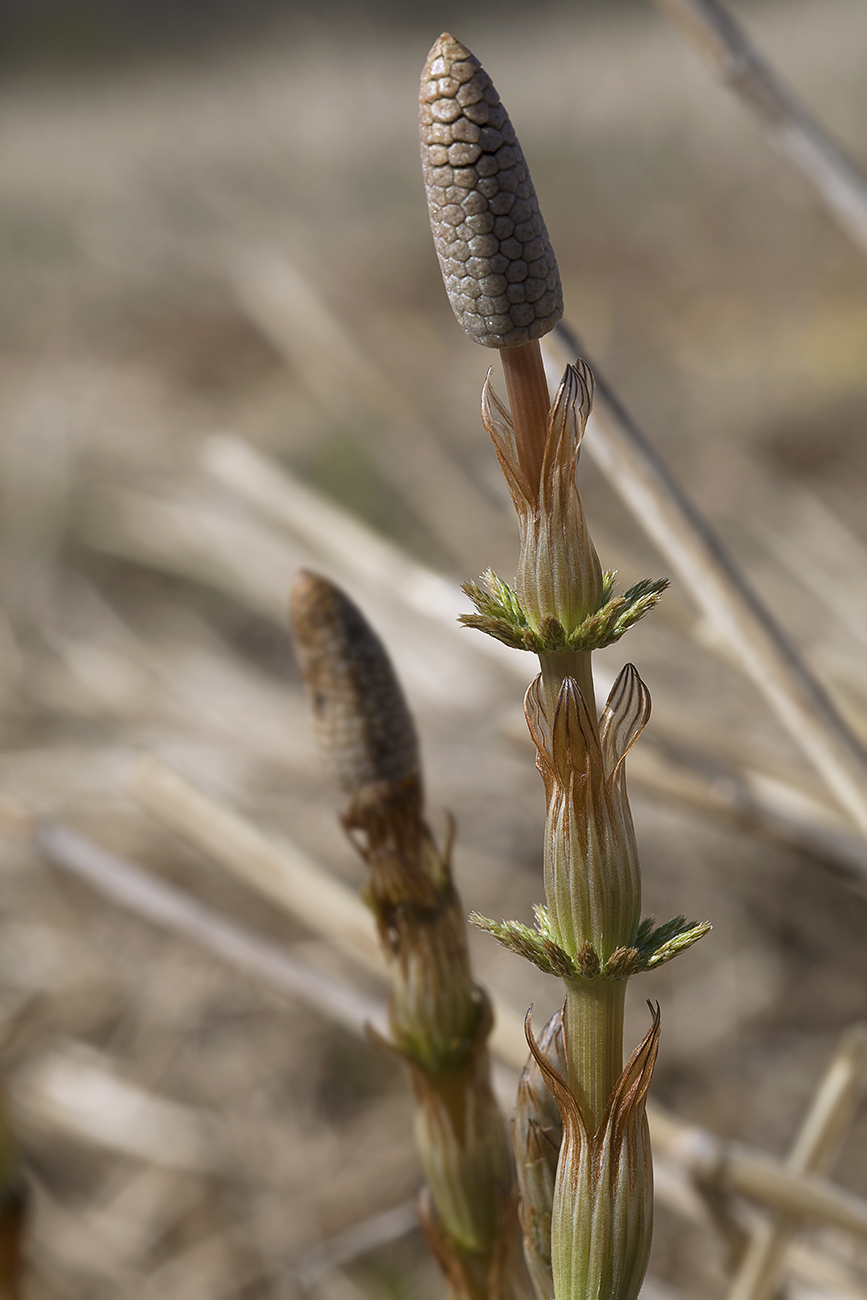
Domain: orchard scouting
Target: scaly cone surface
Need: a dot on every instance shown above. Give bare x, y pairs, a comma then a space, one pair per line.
497, 262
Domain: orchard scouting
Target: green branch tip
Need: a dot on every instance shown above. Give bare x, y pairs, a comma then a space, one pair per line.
501, 615
656, 946
650, 948
534, 945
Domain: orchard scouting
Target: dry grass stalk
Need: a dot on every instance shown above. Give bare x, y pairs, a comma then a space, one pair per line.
272, 865
67, 742
824, 555
180, 913
440, 1019
291, 310
180, 532
385, 574
77, 1094
242, 848
732, 1167
359, 1239
192, 533
764, 651
754, 799
710, 1160
329, 531
725, 47
374, 564
412, 596
229, 837
817, 1143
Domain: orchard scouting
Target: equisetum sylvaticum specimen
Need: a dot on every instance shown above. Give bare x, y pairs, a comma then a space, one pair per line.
586, 1211
440, 1018
581, 1164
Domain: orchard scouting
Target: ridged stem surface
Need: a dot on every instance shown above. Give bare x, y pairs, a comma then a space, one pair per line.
440, 1020
593, 1027
528, 405
556, 668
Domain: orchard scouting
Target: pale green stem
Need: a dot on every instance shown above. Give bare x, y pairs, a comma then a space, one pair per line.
556, 668
593, 1018
593, 1024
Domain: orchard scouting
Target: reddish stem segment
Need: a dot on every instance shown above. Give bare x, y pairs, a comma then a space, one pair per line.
529, 404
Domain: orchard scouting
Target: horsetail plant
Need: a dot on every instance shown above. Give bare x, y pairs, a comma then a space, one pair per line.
587, 1221
440, 1018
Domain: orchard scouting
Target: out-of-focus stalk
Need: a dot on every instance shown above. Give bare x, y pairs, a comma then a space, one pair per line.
538, 1137
440, 1019
12, 1208
501, 277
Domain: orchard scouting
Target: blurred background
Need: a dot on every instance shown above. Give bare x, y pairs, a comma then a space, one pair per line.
225, 351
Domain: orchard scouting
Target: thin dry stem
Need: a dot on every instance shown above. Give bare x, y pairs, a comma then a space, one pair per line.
726, 1164
158, 531
274, 867
292, 311
761, 648
278, 870
830, 1114
743, 793
713, 1160
75, 1092
754, 799
730, 54
367, 1234
173, 910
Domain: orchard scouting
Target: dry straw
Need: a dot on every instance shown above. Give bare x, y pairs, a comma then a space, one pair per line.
703, 1158
722, 43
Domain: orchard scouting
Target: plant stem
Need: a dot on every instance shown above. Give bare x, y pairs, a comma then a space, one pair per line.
439, 1018
593, 1025
528, 403
556, 668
